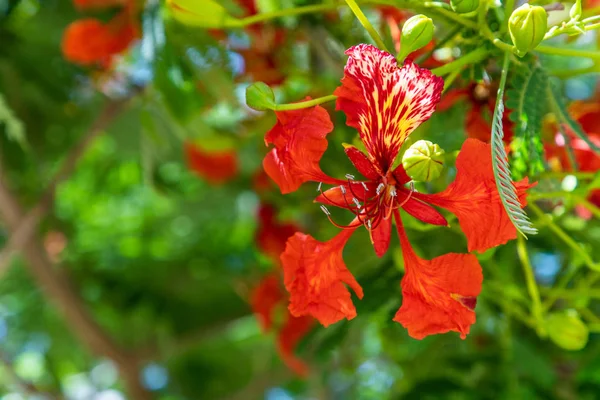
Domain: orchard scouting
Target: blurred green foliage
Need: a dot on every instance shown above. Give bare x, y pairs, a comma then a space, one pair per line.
164, 262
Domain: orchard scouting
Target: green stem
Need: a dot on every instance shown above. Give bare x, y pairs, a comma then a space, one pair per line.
569, 73
304, 104
286, 12
532, 288
451, 15
470, 58
592, 27
595, 55
450, 79
555, 292
366, 24
565, 237
488, 34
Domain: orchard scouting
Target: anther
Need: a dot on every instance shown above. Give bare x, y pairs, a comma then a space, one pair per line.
343, 189
380, 188
319, 187
365, 186
351, 177
369, 224
355, 200
325, 210
393, 191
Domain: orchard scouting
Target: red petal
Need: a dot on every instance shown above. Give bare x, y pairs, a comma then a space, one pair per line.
362, 163
381, 236
424, 212
264, 298
315, 273
294, 329
438, 295
383, 102
299, 139
271, 235
89, 41
476, 126
474, 199
452, 97
215, 167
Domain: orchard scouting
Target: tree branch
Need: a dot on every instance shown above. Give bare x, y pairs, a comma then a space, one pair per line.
54, 282
28, 225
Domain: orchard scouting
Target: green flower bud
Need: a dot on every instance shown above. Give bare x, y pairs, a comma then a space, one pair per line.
260, 97
423, 161
417, 32
576, 10
464, 6
527, 26
566, 330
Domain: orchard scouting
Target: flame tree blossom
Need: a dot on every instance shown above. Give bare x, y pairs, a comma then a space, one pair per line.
268, 298
386, 103
481, 100
90, 42
216, 167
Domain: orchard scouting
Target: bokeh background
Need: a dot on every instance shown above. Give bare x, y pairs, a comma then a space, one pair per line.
133, 238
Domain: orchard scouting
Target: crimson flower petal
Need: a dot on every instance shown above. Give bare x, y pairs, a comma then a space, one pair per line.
381, 235
215, 167
264, 298
424, 212
383, 102
272, 235
294, 329
438, 295
89, 41
452, 97
315, 274
474, 199
362, 163
299, 140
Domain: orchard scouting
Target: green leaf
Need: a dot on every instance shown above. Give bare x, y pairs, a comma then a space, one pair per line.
560, 109
502, 175
528, 112
202, 13
12, 125
260, 97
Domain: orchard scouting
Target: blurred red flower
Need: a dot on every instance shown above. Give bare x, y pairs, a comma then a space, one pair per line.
268, 299
481, 100
90, 41
215, 167
587, 114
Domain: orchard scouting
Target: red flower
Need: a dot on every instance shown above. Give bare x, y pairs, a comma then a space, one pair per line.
481, 100
265, 299
272, 235
588, 116
91, 42
386, 104
216, 167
